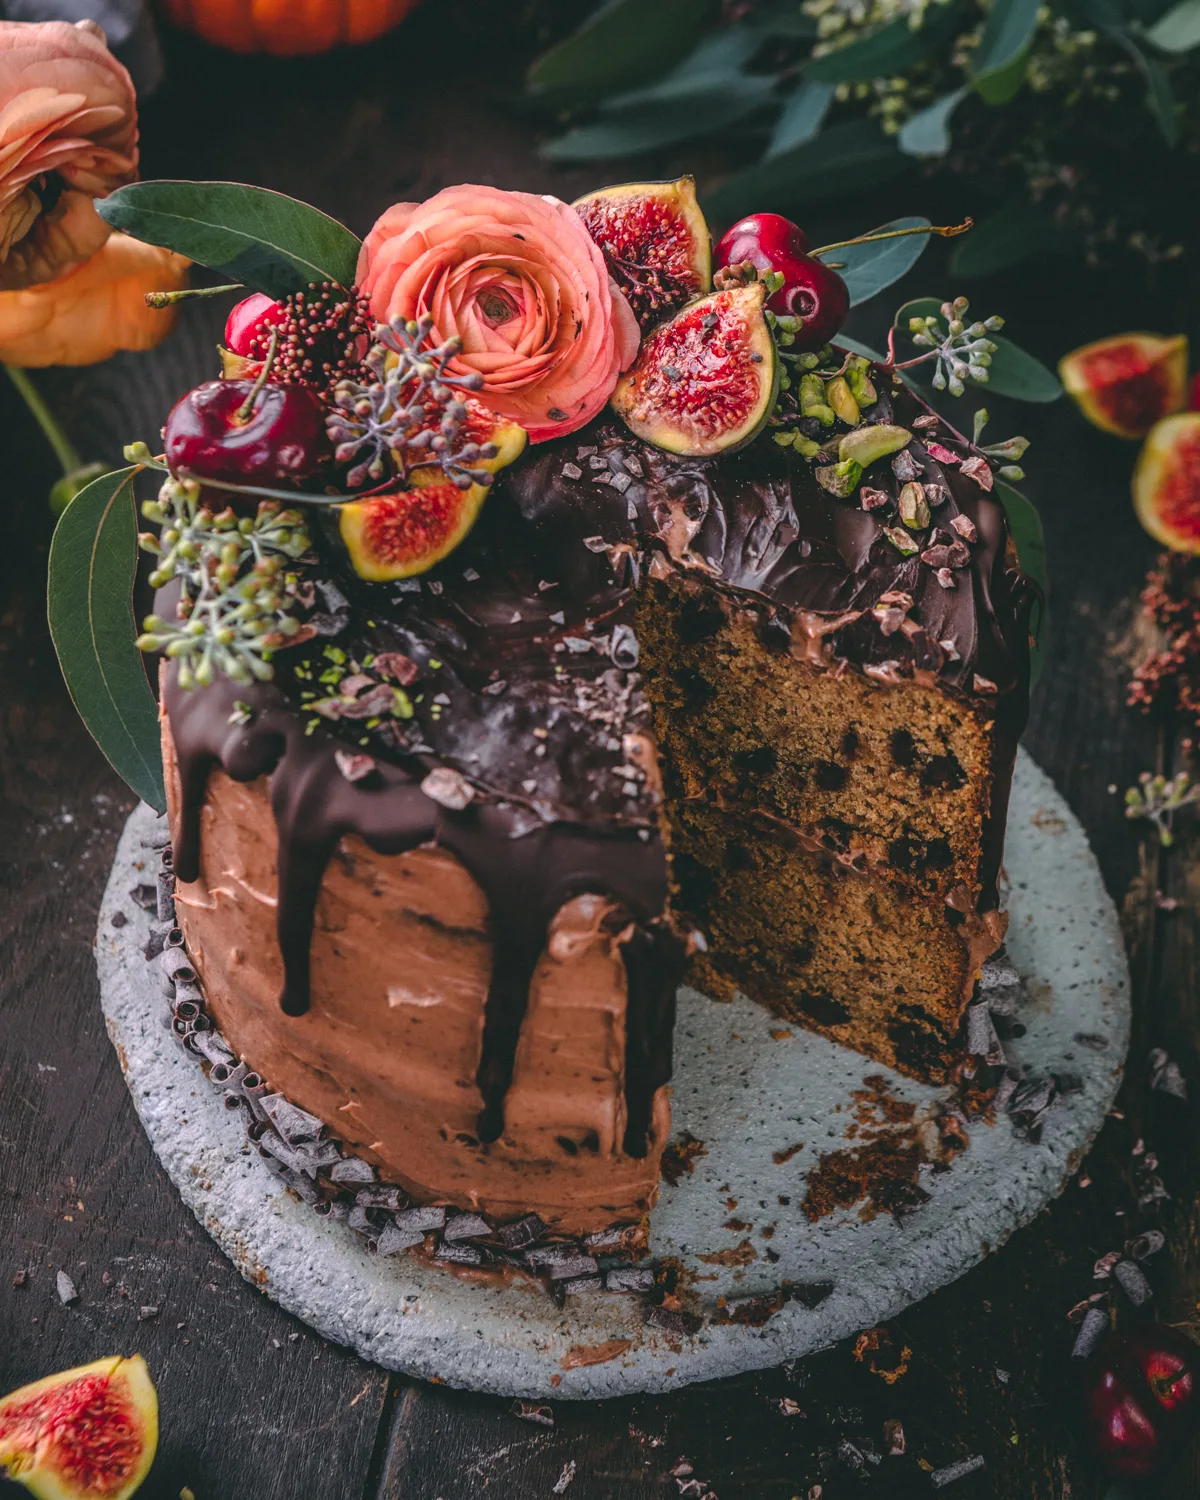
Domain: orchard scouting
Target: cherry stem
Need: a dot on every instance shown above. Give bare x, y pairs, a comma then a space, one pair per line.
168, 299
947, 231
246, 410
64, 449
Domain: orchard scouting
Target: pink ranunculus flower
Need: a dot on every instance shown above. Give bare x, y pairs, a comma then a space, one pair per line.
520, 281
68, 134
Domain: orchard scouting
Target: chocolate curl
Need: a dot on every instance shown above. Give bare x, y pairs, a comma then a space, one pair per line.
331, 1208
577, 1265
982, 1040
423, 1219
296, 1126
579, 1284
533, 1411
1150, 1242
459, 1255
394, 1239
390, 1198
212, 1046
306, 1159
1165, 1075
166, 887
161, 936
1091, 1331
942, 1477
521, 1233
467, 1227
1132, 1281
242, 1086
176, 965
352, 1169
629, 1279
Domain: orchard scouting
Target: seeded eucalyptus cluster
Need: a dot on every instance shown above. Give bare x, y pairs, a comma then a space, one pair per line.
236, 590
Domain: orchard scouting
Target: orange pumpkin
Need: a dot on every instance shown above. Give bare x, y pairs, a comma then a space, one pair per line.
287, 28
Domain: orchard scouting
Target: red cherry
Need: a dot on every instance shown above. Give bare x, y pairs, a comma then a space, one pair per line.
244, 322
281, 441
758, 236
1141, 1397
810, 290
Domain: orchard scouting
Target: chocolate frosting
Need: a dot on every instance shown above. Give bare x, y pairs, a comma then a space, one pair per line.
524, 647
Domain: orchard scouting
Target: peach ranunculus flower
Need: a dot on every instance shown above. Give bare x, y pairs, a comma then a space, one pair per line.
97, 309
68, 134
520, 281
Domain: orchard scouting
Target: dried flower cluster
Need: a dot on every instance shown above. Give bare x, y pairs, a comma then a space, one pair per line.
234, 606
321, 337
1169, 679
408, 412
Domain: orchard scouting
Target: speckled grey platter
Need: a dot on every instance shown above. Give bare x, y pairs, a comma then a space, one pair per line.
746, 1094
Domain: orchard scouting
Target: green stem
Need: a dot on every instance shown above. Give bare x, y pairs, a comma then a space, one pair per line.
63, 449
168, 299
947, 231
246, 410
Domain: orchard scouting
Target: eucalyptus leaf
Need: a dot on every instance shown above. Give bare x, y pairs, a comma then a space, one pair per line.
1006, 35
802, 116
1015, 233
842, 341
1029, 538
782, 18
623, 44
1179, 29
93, 561
1159, 99
847, 158
1003, 85
699, 110
267, 241
1013, 371
867, 269
927, 133
718, 59
892, 49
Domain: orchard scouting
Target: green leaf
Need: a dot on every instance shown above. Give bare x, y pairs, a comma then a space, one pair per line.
268, 241
645, 127
1002, 86
892, 49
621, 45
1018, 231
1013, 372
867, 269
1006, 36
803, 114
1160, 101
847, 158
927, 133
93, 560
1179, 29
1025, 527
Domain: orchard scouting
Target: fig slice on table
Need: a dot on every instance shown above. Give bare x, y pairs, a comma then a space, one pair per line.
1125, 384
705, 381
1166, 482
655, 240
85, 1434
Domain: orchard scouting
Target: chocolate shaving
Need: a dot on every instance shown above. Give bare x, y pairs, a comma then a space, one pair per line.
1132, 1281
1091, 1331
942, 1477
66, 1289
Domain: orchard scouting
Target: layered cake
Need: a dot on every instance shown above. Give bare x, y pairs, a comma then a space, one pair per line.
710, 679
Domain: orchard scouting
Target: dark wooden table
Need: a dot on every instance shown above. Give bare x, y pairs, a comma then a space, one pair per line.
253, 1403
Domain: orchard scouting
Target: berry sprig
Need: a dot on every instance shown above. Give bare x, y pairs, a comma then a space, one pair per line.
409, 412
234, 608
321, 334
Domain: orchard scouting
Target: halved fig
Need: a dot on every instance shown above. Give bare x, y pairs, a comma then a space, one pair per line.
85, 1434
655, 240
705, 381
1125, 384
407, 532
1166, 482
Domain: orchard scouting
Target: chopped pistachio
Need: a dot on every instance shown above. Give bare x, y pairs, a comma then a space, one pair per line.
913, 507
840, 397
812, 400
866, 444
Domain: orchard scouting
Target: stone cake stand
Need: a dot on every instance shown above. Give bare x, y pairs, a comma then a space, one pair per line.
749, 1096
